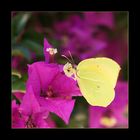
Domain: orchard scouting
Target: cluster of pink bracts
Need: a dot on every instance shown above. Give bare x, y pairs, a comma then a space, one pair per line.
48, 90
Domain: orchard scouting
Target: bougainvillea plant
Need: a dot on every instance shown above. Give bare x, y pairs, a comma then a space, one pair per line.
47, 87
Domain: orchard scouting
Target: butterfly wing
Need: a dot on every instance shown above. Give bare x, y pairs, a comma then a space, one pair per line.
95, 93
97, 78
104, 67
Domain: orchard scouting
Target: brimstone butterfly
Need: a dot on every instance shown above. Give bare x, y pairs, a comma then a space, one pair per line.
96, 78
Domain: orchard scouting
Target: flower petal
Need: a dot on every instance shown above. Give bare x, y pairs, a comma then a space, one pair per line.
40, 76
67, 88
40, 119
121, 93
95, 114
29, 104
19, 95
50, 122
100, 18
46, 54
17, 121
121, 119
61, 107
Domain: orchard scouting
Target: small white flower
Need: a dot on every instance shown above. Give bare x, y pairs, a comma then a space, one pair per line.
51, 51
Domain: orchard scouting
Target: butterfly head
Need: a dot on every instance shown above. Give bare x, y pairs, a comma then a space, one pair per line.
69, 69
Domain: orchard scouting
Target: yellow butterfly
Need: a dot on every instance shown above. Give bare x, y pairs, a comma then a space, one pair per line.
96, 78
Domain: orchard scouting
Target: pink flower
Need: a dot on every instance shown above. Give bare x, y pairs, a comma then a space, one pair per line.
17, 120
18, 63
113, 115
52, 89
117, 49
46, 54
18, 95
76, 36
100, 19
29, 114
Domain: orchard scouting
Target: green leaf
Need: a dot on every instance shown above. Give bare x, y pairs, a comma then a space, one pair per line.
20, 50
16, 74
34, 36
19, 22
59, 122
16, 52
14, 78
79, 116
122, 20
18, 85
33, 46
125, 71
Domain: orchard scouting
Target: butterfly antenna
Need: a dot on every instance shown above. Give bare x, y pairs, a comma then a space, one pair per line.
71, 57
67, 58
